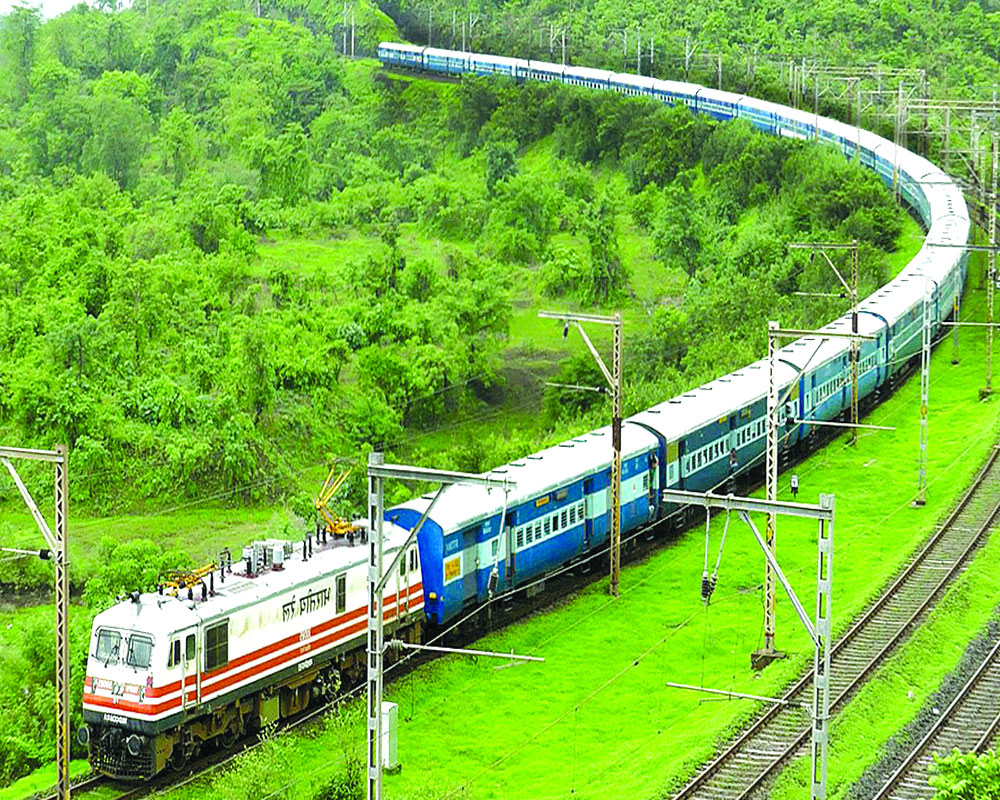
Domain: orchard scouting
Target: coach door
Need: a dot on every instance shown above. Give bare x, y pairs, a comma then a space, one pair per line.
188, 641
511, 551
588, 513
470, 559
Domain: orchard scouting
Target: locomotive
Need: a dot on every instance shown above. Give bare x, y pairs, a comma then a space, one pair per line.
234, 648
241, 646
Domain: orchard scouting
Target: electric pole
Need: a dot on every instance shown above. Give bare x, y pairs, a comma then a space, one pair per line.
378, 472
852, 292
614, 380
992, 267
57, 551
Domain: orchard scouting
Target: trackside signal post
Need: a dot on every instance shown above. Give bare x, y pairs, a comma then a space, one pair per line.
56, 544
818, 628
378, 471
614, 379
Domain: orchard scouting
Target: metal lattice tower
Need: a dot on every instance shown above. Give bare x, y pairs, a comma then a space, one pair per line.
992, 264
56, 543
616, 461
821, 657
376, 631
925, 385
771, 487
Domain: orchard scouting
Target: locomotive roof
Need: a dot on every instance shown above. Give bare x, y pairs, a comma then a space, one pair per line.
164, 613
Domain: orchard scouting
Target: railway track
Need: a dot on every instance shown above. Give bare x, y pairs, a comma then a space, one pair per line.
747, 765
969, 723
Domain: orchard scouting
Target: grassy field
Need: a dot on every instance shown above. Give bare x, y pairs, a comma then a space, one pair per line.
595, 720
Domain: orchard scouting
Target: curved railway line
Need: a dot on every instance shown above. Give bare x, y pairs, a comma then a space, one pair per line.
969, 723
747, 765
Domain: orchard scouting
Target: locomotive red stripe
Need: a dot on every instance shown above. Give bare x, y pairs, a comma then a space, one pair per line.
288, 641
307, 646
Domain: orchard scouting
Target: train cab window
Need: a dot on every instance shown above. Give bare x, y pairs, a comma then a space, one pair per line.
140, 650
402, 567
189, 648
108, 646
217, 646
341, 594
175, 654
413, 559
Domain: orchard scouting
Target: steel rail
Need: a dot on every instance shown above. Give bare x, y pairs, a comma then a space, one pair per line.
940, 724
729, 754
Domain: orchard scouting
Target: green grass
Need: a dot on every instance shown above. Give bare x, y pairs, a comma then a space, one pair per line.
200, 530
42, 780
595, 720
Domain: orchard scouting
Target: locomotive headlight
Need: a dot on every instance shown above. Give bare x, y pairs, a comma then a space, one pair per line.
432, 595
134, 744
83, 735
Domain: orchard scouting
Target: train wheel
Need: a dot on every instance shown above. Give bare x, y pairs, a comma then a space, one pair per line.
178, 759
229, 737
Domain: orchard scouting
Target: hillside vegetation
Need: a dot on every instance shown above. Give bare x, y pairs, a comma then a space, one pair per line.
231, 255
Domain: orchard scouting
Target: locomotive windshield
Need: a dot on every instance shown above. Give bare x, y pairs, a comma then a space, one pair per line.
108, 646
138, 649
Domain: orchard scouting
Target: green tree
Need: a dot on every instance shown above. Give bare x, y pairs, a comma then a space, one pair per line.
501, 163
178, 143
607, 273
966, 776
119, 122
18, 39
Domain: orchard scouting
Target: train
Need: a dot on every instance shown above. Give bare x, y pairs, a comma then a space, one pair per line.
240, 646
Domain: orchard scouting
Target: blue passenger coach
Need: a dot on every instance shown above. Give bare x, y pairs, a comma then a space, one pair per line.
476, 543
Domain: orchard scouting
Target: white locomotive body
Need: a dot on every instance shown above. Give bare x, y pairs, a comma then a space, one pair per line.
246, 647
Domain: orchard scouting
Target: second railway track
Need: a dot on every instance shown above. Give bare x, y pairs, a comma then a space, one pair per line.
746, 766
969, 723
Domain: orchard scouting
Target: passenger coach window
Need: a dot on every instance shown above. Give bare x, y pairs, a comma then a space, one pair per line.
341, 593
217, 646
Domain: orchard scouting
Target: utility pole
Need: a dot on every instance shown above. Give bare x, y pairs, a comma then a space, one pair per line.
852, 292
56, 544
352, 33
992, 267
819, 628
614, 379
925, 388
344, 47
378, 472
768, 653
770, 490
